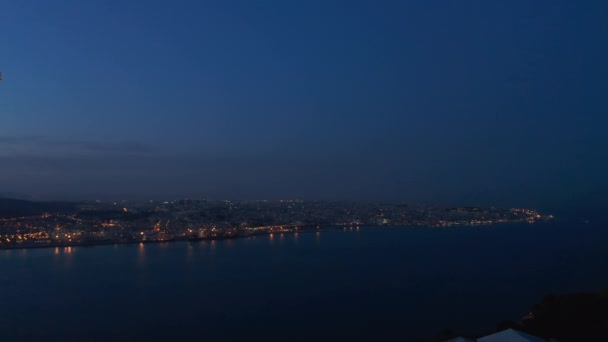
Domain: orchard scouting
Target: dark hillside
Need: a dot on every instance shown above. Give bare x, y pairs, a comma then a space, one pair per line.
16, 208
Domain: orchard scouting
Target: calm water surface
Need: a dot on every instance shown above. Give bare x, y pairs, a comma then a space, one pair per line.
362, 284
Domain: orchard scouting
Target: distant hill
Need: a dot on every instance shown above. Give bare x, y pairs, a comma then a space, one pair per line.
10, 207
14, 195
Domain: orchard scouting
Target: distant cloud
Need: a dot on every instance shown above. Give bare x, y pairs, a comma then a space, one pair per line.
20, 139
124, 146
39, 144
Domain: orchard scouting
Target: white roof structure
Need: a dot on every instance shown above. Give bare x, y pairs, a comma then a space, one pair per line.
460, 339
511, 335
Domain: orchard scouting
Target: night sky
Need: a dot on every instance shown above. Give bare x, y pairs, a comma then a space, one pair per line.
446, 102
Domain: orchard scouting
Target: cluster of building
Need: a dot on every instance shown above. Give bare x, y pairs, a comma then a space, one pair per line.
125, 221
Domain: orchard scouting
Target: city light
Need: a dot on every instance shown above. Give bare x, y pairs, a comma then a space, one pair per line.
168, 221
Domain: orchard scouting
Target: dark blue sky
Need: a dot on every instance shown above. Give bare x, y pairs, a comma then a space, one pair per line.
476, 102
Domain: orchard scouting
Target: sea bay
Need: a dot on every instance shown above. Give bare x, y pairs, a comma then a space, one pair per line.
361, 284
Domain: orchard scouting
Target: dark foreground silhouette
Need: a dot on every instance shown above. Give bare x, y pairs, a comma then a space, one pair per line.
569, 317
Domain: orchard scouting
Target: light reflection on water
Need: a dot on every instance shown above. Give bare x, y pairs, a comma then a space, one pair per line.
190, 252
141, 254
66, 259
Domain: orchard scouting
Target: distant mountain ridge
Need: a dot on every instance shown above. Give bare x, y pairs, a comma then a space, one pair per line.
15, 195
10, 207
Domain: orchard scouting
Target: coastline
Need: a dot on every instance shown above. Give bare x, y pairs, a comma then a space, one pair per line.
233, 237
145, 242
